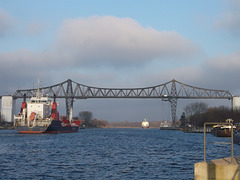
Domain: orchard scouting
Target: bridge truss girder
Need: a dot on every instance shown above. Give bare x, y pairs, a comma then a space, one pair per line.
171, 91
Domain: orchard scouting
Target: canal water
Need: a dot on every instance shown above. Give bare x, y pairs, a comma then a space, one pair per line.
106, 154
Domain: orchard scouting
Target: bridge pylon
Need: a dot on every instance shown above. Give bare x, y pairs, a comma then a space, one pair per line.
173, 101
69, 100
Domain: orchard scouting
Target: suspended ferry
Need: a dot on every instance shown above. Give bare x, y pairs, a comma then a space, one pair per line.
35, 117
145, 124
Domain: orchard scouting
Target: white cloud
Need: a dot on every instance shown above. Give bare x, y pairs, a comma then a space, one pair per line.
106, 42
91, 50
6, 22
35, 28
116, 41
230, 20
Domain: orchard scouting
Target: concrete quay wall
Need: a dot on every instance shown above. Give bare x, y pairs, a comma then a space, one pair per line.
221, 169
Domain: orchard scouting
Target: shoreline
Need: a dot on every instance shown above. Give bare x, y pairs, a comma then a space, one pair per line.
112, 127
132, 127
7, 128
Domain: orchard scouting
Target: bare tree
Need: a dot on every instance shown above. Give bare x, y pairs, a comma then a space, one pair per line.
88, 121
215, 114
86, 117
195, 108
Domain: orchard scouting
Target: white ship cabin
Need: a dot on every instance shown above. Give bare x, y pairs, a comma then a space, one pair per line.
145, 123
39, 105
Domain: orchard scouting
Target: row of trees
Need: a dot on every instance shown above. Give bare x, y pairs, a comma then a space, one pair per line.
89, 122
199, 113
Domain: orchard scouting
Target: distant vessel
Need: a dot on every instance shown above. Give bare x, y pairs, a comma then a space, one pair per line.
165, 124
145, 124
223, 130
35, 117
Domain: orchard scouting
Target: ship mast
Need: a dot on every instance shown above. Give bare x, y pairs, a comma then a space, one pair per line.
38, 92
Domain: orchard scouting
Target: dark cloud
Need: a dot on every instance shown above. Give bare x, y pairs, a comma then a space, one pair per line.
220, 72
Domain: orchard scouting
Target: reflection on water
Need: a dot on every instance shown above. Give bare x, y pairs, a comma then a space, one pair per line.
105, 154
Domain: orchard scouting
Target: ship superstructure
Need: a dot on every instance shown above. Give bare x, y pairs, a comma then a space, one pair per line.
40, 115
145, 124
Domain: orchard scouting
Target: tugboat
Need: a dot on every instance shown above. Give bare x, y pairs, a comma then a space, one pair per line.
35, 117
145, 124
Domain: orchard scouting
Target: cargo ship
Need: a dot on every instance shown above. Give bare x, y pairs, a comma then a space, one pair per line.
35, 117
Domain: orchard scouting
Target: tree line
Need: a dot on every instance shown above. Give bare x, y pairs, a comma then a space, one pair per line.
199, 113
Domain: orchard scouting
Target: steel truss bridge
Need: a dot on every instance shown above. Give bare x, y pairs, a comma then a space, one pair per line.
170, 91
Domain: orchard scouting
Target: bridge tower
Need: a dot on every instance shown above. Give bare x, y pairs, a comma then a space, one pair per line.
69, 100
173, 101
236, 103
7, 109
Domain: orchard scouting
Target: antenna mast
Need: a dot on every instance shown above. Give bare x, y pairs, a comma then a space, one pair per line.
38, 92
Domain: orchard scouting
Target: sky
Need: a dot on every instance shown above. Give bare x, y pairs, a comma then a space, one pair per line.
121, 44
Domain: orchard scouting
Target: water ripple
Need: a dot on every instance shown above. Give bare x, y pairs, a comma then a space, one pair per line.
104, 154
